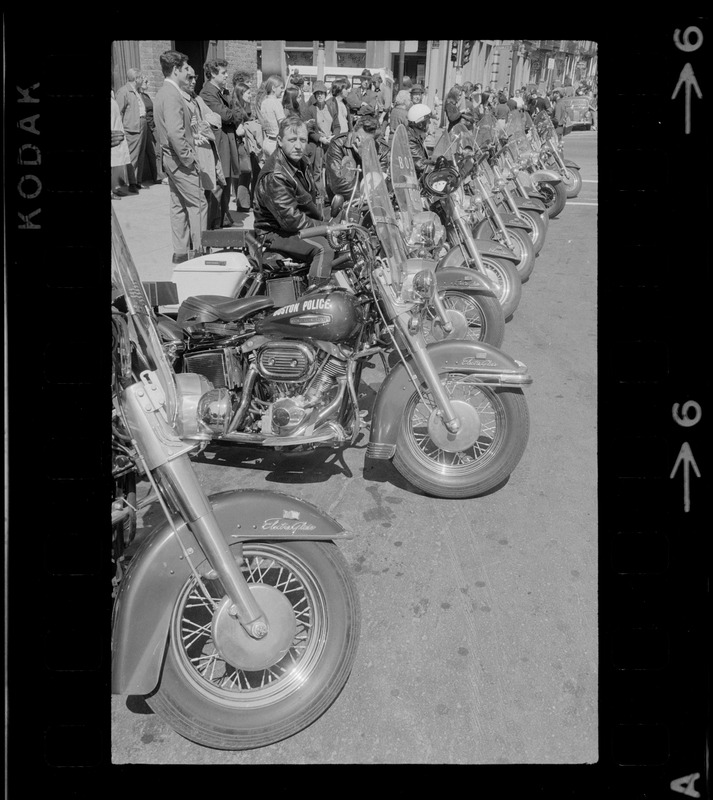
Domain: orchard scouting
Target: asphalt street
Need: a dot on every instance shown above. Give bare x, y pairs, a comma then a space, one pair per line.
479, 616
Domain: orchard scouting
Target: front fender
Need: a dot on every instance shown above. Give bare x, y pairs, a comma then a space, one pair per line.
569, 163
453, 355
530, 204
545, 176
512, 220
456, 276
159, 570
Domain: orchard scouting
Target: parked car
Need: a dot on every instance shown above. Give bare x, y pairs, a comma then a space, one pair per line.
578, 109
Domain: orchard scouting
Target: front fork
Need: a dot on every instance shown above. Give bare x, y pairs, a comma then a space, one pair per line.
407, 320
162, 451
465, 234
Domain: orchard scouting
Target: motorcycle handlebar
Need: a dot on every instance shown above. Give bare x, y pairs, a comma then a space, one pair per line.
321, 230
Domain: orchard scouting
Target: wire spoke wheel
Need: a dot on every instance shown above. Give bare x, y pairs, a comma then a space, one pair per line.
203, 662
475, 317
221, 688
492, 437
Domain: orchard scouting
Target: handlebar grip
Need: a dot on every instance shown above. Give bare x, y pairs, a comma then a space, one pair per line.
318, 230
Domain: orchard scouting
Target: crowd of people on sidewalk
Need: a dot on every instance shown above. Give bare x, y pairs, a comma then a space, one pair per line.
277, 151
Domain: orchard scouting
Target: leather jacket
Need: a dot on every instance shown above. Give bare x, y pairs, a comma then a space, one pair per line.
339, 176
416, 141
285, 197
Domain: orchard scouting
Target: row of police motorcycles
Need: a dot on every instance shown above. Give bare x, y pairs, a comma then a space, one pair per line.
237, 617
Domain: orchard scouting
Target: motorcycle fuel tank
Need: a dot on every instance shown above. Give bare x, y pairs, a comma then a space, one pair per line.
333, 316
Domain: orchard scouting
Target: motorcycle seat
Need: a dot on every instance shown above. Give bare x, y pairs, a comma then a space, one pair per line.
215, 308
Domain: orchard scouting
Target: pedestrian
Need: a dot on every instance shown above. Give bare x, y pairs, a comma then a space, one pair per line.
206, 125
452, 107
217, 98
362, 101
120, 156
381, 101
153, 171
249, 138
337, 106
559, 112
271, 112
593, 109
187, 206
399, 113
133, 117
319, 125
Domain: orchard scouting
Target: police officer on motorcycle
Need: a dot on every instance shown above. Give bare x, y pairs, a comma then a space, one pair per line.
286, 202
419, 116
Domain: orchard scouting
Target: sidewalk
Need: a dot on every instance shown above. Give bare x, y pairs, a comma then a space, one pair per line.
145, 222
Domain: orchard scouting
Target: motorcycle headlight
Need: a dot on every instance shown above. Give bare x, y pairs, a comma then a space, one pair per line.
215, 409
424, 284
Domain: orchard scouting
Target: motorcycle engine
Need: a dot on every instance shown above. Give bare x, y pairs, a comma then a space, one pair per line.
300, 381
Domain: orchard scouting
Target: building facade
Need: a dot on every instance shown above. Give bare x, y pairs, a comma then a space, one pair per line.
494, 63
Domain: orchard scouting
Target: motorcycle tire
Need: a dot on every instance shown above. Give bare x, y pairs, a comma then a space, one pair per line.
555, 197
495, 428
522, 246
572, 181
313, 603
506, 279
483, 315
538, 231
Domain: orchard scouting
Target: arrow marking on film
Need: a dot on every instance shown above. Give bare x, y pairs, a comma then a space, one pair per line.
686, 456
689, 79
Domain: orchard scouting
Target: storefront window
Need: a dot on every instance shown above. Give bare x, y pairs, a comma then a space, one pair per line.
300, 58
351, 59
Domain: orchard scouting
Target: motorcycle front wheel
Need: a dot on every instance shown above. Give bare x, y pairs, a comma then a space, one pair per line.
555, 197
506, 279
222, 689
522, 246
572, 181
495, 427
537, 230
475, 316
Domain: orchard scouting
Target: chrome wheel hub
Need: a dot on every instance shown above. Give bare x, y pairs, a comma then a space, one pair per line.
469, 420
238, 648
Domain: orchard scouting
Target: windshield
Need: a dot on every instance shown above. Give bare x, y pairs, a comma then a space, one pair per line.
544, 125
382, 212
442, 146
515, 130
486, 133
404, 180
144, 332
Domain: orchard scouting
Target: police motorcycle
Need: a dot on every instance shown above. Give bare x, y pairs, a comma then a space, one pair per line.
451, 415
237, 617
519, 162
443, 195
545, 180
488, 219
552, 155
498, 176
260, 272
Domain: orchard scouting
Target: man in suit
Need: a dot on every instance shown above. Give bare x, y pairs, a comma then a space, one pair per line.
218, 100
133, 118
188, 208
